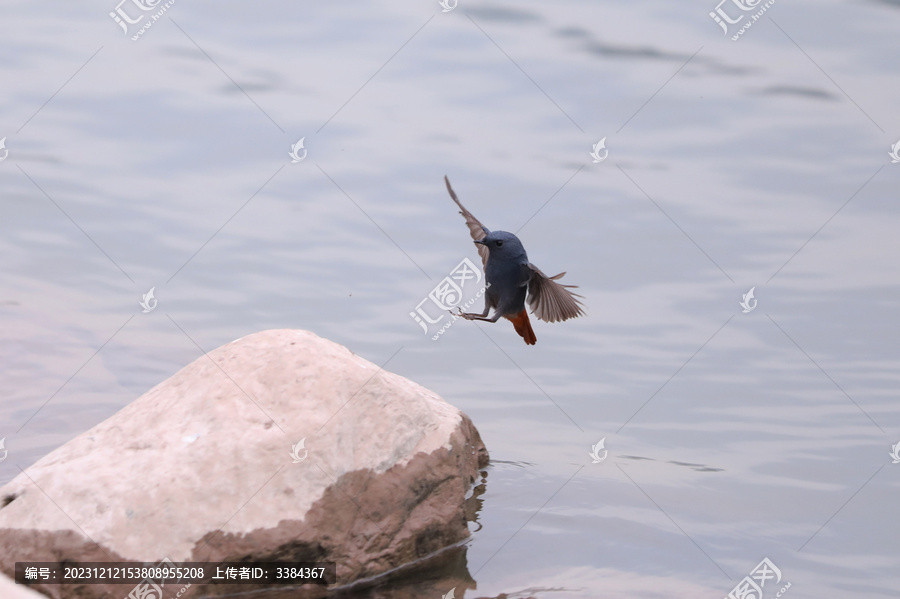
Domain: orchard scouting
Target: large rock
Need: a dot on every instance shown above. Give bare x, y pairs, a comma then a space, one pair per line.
199, 469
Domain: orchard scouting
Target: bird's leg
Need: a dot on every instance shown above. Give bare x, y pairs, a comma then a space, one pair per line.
493, 318
472, 315
483, 316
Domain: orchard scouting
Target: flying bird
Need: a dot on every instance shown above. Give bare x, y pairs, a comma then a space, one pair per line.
512, 280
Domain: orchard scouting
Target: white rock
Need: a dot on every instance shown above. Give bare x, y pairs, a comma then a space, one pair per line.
199, 468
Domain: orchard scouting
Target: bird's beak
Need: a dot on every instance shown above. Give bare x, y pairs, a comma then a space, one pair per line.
480, 242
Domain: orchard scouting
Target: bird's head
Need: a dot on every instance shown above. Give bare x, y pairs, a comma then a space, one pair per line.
501, 244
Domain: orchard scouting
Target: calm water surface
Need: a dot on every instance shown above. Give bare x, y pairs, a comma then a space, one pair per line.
762, 162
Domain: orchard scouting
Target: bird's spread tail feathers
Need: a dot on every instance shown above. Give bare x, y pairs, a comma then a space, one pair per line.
523, 326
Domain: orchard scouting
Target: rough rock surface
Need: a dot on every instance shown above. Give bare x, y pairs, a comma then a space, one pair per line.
199, 468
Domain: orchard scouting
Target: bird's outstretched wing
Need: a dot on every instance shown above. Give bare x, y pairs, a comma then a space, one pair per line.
551, 301
476, 229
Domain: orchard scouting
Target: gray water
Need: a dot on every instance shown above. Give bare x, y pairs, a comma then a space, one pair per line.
758, 163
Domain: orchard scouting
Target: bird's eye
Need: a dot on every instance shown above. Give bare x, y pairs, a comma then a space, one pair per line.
499, 243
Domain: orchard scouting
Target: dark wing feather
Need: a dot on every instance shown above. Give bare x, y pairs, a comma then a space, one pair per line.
551, 301
476, 229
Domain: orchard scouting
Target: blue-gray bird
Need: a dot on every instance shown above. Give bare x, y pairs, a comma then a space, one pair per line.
512, 279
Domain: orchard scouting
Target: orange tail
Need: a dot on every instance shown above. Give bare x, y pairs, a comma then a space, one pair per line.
523, 327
